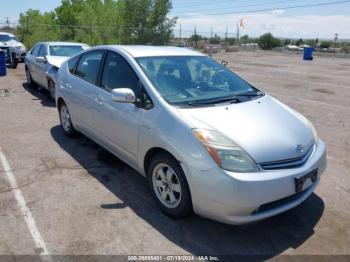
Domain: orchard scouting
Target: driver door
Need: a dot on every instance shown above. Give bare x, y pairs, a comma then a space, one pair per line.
42, 67
115, 123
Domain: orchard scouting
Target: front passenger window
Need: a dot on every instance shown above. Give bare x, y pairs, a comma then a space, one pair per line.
89, 65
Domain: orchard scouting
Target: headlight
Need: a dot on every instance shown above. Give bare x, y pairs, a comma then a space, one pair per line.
224, 152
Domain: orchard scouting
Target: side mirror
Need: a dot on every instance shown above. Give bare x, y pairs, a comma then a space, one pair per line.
224, 63
123, 95
40, 59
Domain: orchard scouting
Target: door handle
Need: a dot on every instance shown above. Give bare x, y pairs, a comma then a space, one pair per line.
98, 100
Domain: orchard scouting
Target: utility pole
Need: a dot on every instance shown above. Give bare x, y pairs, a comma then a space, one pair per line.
61, 31
237, 34
8, 23
226, 35
180, 35
195, 36
211, 32
335, 40
27, 24
90, 29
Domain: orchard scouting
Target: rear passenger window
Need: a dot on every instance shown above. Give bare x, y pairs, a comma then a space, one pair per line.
72, 63
117, 73
89, 65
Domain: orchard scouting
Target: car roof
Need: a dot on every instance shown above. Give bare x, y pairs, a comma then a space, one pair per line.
5, 33
148, 51
62, 43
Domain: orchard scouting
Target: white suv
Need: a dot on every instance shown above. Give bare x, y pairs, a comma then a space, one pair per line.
14, 49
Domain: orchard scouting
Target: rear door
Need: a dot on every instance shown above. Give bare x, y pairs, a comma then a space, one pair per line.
81, 87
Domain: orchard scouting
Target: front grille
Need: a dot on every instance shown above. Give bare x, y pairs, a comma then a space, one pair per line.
280, 202
288, 163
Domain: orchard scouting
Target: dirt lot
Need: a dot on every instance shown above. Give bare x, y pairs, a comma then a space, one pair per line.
85, 201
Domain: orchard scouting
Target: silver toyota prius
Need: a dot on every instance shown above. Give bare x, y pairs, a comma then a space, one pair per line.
206, 140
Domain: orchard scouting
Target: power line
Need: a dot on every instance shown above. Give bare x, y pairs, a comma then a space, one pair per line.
277, 8
205, 3
236, 7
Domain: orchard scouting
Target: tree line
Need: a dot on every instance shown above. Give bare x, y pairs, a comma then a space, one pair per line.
100, 22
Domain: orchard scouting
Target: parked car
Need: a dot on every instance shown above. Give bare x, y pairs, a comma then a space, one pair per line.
206, 140
44, 59
14, 50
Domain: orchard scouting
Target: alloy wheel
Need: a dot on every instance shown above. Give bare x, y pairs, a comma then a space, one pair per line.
65, 118
166, 185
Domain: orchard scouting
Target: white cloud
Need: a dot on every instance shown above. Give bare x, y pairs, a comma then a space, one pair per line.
306, 26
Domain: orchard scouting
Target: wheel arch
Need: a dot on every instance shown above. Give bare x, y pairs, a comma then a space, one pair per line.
60, 101
151, 153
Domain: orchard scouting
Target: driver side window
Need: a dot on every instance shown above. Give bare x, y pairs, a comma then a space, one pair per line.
43, 51
117, 73
35, 51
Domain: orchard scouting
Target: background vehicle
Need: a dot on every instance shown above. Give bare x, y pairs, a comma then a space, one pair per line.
14, 50
44, 59
205, 139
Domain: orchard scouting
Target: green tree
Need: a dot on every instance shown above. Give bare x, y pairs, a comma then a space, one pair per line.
287, 42
146, 21
299, 42
215, 40
35, 26
268, 41
101, 22
325, 44
311, 42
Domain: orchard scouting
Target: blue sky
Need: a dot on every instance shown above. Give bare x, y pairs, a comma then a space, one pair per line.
311, 22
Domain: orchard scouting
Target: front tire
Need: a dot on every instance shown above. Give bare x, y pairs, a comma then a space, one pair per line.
30, 81
169, 186
14, 61
66, 121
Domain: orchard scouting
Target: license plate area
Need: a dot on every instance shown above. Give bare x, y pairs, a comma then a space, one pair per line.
305, 181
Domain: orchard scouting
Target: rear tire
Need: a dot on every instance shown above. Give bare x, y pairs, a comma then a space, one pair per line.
51, 86
169, 186
66, 121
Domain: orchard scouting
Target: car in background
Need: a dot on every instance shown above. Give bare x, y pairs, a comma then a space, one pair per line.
14, 50
44, 59
206, 140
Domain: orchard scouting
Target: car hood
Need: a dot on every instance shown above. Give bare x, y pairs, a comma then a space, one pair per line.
4, 44
56, 61
11, 43
265, 128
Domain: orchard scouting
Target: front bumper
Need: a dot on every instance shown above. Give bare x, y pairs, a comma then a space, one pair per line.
237, 198
21, 55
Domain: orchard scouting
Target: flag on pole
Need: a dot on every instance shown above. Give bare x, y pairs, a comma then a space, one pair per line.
241, 24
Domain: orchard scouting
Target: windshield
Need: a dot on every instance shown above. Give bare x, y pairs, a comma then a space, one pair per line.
65, 50
14, 38
188, 79
4, 38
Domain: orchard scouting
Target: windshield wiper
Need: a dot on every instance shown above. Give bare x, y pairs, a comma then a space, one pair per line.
251, 94
232, 99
